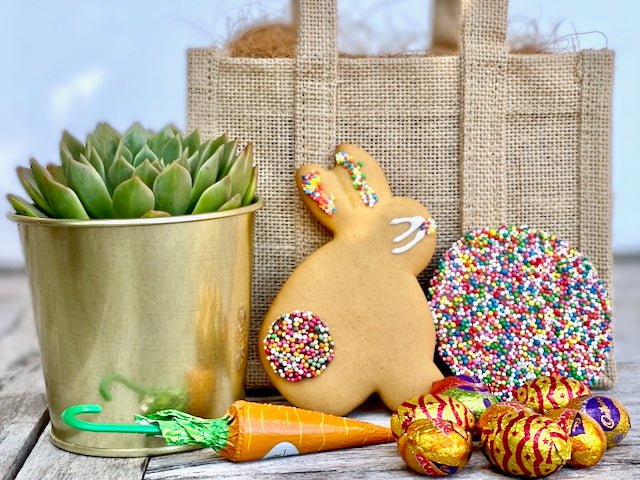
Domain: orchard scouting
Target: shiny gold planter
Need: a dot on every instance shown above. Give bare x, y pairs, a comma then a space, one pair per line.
155, 309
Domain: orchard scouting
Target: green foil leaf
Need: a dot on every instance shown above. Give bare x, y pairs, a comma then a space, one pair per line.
179, 428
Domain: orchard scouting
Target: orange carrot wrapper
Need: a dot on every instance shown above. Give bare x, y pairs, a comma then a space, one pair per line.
253, 431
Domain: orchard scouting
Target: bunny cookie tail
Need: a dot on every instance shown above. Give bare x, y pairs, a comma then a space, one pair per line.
298, 346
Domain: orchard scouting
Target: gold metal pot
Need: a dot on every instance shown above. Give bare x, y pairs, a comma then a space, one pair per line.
151, 313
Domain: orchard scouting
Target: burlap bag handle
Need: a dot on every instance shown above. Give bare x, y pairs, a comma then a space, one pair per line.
483, 53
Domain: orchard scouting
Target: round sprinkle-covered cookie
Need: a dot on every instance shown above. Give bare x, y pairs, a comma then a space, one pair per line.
298, 346
515, 303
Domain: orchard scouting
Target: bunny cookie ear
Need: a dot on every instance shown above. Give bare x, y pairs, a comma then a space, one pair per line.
360, 176
320, 190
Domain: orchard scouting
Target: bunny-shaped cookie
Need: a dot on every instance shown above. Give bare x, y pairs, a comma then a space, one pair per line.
352, 319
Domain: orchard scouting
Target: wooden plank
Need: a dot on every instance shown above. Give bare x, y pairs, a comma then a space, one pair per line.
48, 462
383, 461
18, 341
23, 413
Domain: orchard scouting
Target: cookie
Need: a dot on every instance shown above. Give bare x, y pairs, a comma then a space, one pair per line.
516, 303
352, 320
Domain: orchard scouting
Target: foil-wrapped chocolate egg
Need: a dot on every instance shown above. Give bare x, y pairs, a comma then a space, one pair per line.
588, 442
608, 413
546, 393
498, 409
435, 447
476, 400
440, 407
453, 381
524, 444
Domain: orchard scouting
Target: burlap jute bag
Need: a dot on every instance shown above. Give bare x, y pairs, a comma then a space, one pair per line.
480, 138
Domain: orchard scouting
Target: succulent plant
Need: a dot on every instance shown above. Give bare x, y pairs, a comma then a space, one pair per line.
138, 174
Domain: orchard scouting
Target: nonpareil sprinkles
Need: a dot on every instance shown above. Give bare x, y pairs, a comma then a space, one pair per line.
429, 226
366, 191
312, 186
515, 303
298, 346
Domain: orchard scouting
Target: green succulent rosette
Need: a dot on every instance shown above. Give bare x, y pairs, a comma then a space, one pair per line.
140, 173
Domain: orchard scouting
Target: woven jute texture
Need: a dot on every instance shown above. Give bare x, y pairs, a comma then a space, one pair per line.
481, 139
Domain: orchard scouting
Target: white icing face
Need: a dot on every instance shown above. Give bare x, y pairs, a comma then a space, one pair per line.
417, 224
282, 449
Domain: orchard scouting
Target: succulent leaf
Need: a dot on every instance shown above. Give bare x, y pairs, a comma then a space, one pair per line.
147, 173
184, 161
172, 150
233, 202
135, 138
39, 172
156, 214
123, 151
192, 161
214, 197
72, 144
64, 201
228, 156
132, 199
23, 207
160, 139
90, 189
30, 186
250, 193
191, 142
145, 153
205, 177
120, 171
172, 189
96, 162
240, 171
209, 148
105, 141
57, 173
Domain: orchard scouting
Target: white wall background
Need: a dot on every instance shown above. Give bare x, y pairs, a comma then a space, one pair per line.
68, 65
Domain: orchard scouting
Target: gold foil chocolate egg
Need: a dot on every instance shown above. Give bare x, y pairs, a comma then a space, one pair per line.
435, 447
545, 393
499, 409
530, 445
440, 407
608, 413
588, 442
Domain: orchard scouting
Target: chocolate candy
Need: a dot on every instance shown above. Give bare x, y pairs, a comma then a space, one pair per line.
435, 447
588, 442
476, 400
438, 407
499, 409
545, 393
525, 444
453, 381
608, 413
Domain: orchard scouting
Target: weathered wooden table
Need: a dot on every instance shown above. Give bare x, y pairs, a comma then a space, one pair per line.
27, 454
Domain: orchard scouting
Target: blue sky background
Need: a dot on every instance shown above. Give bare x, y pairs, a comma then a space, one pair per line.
71, 64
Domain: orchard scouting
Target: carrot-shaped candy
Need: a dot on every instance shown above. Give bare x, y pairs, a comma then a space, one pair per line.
251, 431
